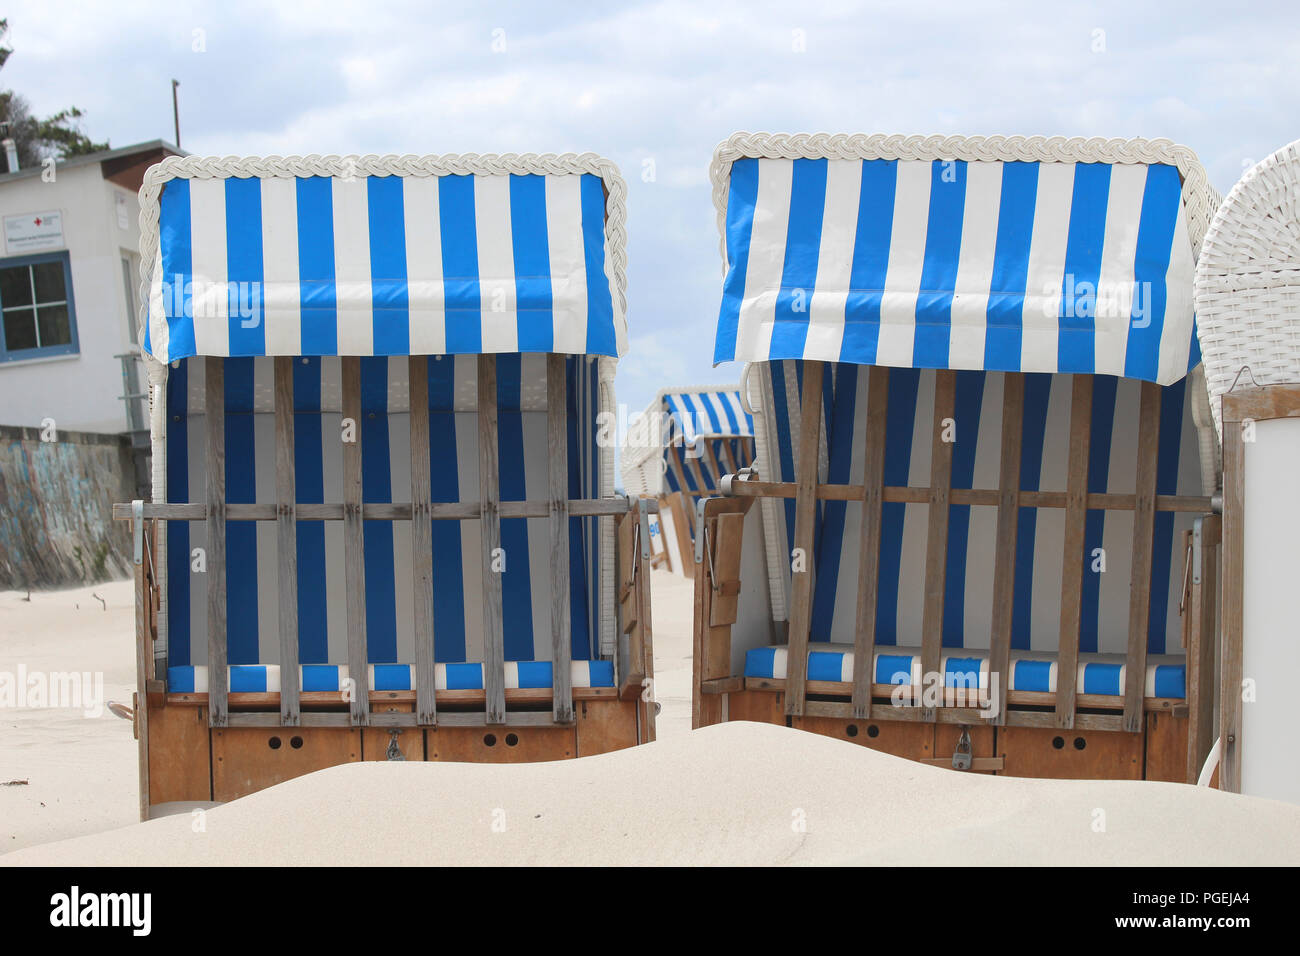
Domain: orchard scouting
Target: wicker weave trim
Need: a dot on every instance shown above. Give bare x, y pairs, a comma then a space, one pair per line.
1199, 198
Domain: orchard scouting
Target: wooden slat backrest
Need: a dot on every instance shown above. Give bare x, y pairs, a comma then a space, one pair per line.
214, 409
805, 509
286, 541
864, 642
354, 542
1072, 562
422, 540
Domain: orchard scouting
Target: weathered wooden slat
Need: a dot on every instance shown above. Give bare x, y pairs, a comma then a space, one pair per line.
679, 505
936, 546
728, 459
354, 560
1200, 649
426, 706
378, 510
916, 494
1004, 568
692, 459
805, 515
214, 412
1072, 562
1144, 517
1231, 665
286, 498
143, 656
601, 507
647, 705
873, 476
557, 436
711, 458
395, 719
494, 667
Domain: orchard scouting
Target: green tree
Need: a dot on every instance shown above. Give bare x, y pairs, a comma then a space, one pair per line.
57, 136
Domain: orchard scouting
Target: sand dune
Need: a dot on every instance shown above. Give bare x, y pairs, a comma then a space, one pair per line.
740, 793
737, 794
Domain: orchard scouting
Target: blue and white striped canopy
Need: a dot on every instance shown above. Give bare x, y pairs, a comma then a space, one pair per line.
708, 413
383, 265
1015, 266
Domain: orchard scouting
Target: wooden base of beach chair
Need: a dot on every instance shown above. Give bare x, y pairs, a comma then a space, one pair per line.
191, 762
756, 705
1070, 754
1166, 749
500, 744
377, 741
1019, 749
915, 741
180, 754
248, 759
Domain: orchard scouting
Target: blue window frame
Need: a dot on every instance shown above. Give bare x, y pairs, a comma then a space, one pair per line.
37, 315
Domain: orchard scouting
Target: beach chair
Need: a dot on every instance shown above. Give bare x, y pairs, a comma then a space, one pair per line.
1247, 303
985, 460
323, 576
676, 452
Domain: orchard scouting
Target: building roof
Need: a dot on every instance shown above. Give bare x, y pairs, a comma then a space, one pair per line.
124, 165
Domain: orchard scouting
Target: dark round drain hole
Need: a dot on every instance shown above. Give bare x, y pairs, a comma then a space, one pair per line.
295, 743
490, 740
851, 730
873, 730
1080, 743
1058, 742
512, 740
274, 743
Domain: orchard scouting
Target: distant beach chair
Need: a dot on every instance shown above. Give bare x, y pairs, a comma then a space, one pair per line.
324, 577
1248, 314
985, 461
677, 452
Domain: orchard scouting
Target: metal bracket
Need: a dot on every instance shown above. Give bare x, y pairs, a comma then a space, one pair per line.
1197, 545
644, 527
137, 529
745, 474
961, 757
699, 523
393, 752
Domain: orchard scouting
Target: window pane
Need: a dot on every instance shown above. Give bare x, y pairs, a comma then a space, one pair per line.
49, 282
15, 287
55, 329
20, 330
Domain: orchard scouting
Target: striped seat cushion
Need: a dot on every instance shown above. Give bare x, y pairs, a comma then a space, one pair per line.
328, 678
1102, 674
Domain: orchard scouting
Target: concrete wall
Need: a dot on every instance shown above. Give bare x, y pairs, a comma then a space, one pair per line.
56, 509
79, 391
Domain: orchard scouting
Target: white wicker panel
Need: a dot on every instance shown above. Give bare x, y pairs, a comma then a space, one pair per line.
1248, 281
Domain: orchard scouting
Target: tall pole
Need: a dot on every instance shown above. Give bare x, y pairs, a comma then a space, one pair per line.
176, 113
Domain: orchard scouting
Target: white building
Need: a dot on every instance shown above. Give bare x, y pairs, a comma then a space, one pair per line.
68, 291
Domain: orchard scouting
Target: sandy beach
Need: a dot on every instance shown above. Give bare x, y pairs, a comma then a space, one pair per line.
734, 794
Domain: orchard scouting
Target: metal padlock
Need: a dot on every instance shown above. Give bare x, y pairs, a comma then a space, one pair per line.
961, 757
393, 752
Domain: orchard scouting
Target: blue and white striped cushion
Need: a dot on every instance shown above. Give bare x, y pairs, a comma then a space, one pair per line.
1098, 673
328, 678
252, 608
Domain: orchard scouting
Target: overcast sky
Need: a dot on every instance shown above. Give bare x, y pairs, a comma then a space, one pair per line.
661, 81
